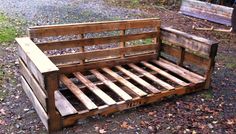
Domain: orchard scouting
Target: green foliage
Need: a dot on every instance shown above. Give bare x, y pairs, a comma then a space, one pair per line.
8, 31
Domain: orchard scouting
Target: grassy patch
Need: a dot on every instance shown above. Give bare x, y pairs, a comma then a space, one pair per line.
8, 31
228, 60
207, 95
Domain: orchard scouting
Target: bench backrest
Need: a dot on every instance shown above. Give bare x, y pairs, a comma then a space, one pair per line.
125, 41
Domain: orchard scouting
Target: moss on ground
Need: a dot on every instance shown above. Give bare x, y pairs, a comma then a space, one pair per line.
9, 28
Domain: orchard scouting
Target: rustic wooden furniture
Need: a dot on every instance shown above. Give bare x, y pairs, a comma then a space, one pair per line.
141, 63
207, 11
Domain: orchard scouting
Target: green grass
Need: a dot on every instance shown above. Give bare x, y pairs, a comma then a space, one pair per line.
8, 31
228, 60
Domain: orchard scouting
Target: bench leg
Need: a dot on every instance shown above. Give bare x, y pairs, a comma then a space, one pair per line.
51, 84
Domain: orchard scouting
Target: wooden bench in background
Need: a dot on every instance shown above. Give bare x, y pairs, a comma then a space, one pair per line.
68, 73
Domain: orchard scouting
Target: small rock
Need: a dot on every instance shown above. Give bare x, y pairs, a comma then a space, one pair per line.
150, 128
17, 126
210, 125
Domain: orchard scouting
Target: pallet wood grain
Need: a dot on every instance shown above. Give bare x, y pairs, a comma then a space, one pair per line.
192, 77
97, 91
123, 81
193, 43
67, 69
78, 93
63, 105
38, 108
165, 74
93, 41
35, 59
152, 77
40, 93
111, 85
66, 58
81, 28
138, 80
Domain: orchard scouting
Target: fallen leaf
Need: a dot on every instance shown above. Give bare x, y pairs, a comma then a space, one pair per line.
102, 131
152, 113
2, 122
126, 125
2, 112
230, 122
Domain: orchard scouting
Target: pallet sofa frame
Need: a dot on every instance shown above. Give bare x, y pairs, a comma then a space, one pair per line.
67, 87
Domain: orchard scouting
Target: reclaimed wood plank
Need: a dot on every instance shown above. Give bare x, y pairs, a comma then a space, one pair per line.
93, 41
63, 105
193, 43
51, 84
152, 77
138, 80
207, 11
78, 93
97, 91
99, 53
35, 59
188, 57
38, 108
165, 74
40, 94
192, 77
88, 27
126, 83
111, 85
104, 63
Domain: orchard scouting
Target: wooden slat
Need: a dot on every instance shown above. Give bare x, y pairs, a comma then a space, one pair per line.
40, 94
188, 57
78, 93
122, 44
111, 85
151, 77
35, 59
192, 77
193, 43
126, 83
207, 11
99, 53
63, 105
94, 41
81, 28
138, 79
107, 99
105, 63
165, 74
39, 109
137, 102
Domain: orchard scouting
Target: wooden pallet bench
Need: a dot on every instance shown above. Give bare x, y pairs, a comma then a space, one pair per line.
74, 71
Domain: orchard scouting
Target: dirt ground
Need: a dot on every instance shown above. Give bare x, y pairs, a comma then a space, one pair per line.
209, 111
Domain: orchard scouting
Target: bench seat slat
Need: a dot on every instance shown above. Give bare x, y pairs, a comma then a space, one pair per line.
107, 99
165, 74
151, 77
63, 105
111, 85
78, 93
138, 80
132, 87
192, 77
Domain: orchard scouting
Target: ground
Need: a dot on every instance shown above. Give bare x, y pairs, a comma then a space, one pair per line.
209, 111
